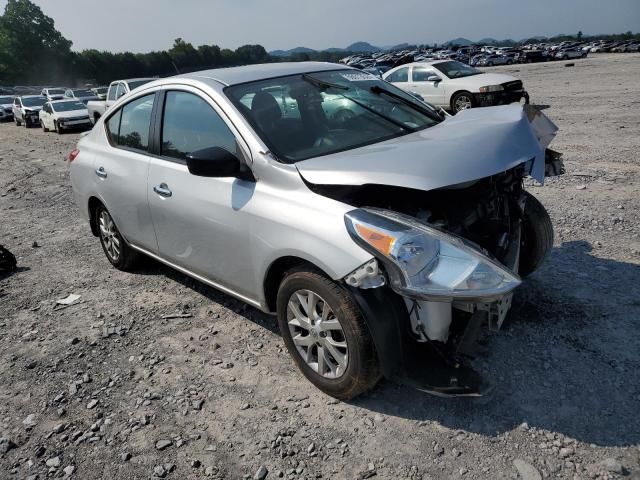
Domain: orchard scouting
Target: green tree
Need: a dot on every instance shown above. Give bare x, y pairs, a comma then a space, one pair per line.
31, 47
579, 36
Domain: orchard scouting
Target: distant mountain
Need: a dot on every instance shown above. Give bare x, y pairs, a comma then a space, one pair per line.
460, 41
400, 46
362, 47
487, 41
288, 53
358, 47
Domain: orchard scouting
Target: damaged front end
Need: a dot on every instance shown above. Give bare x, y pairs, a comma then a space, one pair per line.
446, 262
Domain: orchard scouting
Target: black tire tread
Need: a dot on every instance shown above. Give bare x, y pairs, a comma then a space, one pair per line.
128, 257
537, 240
350, 385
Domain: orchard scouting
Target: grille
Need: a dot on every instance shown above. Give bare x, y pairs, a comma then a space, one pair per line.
71, 119
511, 86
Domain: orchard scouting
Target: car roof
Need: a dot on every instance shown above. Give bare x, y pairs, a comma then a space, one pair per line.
250, 73
32, 96
63, 101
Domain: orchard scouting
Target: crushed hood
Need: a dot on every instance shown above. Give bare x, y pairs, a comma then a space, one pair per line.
474, 144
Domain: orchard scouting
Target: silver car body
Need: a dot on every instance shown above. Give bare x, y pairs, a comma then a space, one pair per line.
228, 232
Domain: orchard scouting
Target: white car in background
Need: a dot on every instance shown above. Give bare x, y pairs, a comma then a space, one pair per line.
64, 115
6, 107
456, 86
53, 93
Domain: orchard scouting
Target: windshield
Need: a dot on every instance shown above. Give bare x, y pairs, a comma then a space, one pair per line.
137, 83
55, 91
101, 89
5, 100
33, 101
455, 69
304, 116
68, 106
83, 93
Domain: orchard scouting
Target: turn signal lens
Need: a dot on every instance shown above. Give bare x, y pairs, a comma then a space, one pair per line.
73, 155
377, 239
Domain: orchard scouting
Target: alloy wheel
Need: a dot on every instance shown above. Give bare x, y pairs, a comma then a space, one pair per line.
317, 334
109, 236
462, 103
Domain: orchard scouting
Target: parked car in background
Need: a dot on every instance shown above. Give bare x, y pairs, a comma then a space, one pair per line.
83, 95
116, 90
532, 56
6, 107
569, 53
53, 93
456, 86
491, 60
353, 227
100, 92
27, 108
61, 115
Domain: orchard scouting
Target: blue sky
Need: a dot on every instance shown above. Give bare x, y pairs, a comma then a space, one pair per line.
144, 25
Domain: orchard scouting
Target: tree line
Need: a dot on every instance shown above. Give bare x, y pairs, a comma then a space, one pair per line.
32, 51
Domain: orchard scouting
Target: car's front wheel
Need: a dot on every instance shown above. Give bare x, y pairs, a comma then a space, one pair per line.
326, 334
537, 236
115, 248
461, 101
57, 128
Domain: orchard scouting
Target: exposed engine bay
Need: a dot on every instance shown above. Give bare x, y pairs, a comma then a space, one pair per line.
497, 215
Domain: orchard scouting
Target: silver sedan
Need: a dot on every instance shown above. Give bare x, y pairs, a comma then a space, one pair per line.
380, 233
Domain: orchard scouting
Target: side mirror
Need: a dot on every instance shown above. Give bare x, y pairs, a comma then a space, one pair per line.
434, 79
217, 162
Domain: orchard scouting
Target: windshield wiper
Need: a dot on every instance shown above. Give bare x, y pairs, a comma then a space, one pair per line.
322, 83
415, 105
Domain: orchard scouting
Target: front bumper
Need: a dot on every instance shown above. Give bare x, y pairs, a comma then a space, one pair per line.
500, 98
75, 124
427, 366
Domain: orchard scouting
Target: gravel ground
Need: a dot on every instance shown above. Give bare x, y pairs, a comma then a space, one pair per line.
110, 388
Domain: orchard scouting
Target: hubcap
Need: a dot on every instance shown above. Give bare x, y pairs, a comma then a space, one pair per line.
109, 236
462, 103
317, 334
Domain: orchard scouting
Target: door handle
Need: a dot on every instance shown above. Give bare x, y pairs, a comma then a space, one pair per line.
162, 190
101, 173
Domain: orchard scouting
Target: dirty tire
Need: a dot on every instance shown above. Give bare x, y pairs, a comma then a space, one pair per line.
362, 372
537, 236
126, 258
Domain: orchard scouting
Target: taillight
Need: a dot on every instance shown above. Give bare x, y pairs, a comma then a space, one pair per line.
73, 155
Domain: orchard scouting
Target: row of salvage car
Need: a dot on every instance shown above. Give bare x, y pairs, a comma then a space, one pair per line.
381, 231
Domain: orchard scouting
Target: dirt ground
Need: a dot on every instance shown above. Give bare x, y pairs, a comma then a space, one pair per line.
108, 388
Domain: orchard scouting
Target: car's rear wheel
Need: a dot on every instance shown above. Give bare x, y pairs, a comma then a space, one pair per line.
461, 101
537, 236
115, 248
325, 333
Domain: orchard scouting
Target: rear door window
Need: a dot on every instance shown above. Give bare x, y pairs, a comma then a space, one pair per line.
129, 126
400, 75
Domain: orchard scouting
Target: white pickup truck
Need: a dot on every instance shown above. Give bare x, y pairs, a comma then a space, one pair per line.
116, 90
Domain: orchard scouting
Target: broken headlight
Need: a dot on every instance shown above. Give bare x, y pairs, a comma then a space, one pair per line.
491, 88
426, 263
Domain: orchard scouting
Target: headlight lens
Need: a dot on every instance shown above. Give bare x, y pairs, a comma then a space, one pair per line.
491, 88
426, 263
